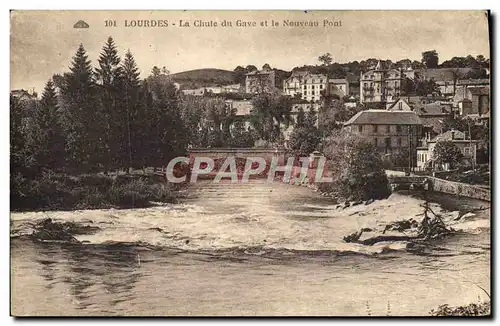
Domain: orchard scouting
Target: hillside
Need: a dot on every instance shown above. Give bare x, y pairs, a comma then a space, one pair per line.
204, 77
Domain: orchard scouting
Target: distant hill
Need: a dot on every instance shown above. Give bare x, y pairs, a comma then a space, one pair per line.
204, 77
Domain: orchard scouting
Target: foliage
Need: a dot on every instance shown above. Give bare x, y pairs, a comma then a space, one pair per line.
356, 167
270, 112
447, 152
51, 191
332, 115
81, 124
305, 136
325, 59
473, 309
425, 87
430, 59
467, 62
240, 136
44, 137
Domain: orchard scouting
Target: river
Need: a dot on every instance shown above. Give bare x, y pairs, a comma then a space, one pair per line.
248, 249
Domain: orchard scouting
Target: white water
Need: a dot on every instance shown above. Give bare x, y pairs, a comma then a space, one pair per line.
258, 279
277, 216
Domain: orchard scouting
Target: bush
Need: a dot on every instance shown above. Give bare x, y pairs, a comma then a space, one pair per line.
357, 169
59, 192
473, 309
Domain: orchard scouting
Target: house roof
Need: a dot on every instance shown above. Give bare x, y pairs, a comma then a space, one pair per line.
448, 135
397, 101
384, 117
436, 123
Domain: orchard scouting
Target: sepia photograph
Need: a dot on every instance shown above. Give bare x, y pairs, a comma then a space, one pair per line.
227, 163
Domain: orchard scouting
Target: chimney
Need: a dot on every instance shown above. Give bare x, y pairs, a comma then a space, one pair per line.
452, 134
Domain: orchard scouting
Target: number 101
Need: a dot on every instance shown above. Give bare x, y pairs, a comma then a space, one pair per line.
110, 23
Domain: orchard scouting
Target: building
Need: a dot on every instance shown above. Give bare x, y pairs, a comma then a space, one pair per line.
445, 78
292, 86
339, 87
212, 90
311, 87
24, 95
432, 114
391, 132
472, 101
260, 81
425, 153
380, 86
314, 86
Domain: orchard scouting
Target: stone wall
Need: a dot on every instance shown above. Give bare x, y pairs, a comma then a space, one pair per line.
460, 189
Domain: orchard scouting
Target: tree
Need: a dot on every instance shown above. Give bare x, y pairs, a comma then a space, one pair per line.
80, 122
240, 74
478, 73
251, 68
134, 124
325, 59
155, 72
356, 167
407, 87
301, 117
112, 121
425, 87
240, 136
305, 137
167, 137
446, 152
17, 130
270, 112
403, 64
266, 66
45, 139
430, 59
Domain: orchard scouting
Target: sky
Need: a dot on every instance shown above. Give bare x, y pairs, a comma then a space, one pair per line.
44, 42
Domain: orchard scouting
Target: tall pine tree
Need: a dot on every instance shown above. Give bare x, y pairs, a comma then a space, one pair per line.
45, 137
79, 119
135, 122
112, 116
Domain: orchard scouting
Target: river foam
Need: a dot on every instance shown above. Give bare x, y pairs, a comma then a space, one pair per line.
270, 217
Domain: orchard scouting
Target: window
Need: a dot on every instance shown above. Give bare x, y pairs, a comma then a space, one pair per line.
400, 105
375, 127
467, 151
388, 128
398, 128
312, 86
312, 92
375, 142
399, 142
387, 142
305, 86
360, 128
320, 86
